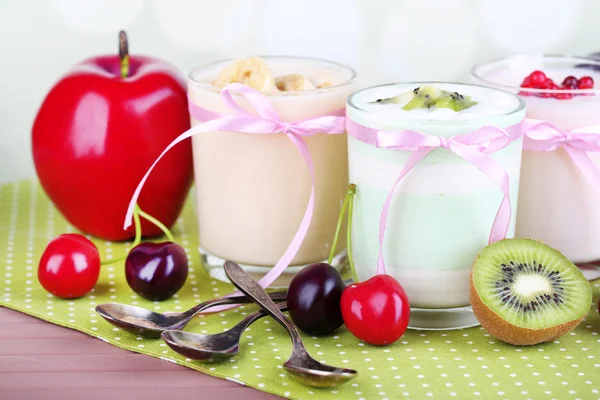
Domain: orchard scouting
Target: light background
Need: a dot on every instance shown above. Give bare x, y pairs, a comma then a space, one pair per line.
384, 40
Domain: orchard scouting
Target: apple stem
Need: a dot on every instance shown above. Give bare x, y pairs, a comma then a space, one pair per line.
124, 54
156, 222
351, 193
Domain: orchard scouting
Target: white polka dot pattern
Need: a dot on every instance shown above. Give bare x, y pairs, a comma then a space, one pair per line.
433, 364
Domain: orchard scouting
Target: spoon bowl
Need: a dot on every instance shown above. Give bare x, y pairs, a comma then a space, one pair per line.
150, 324
137, 320
300, 365
199, 347
310, 372
215, 347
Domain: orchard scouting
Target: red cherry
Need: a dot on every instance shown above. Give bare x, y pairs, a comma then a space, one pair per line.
70, 266
537, 78
569, 82
376, 311
585, 82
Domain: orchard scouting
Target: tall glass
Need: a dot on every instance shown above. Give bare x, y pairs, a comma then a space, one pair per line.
557, 204
441, 213
252, 189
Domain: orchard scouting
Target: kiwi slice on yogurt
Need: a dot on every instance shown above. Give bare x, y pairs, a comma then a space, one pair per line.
524, 292
454, 101
429, 97
424, 97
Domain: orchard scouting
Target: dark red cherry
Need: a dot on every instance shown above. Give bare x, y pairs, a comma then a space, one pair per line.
314, 299
156, 271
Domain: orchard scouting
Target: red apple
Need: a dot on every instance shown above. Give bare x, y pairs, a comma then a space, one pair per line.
97, 133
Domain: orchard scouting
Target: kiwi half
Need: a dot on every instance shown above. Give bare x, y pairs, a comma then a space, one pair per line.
524, 292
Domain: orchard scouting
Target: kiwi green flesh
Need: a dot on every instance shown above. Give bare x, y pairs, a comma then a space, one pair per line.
530, 284
430, 97
454, 101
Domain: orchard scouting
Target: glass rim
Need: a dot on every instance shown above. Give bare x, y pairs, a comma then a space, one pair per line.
520, 107
557, 57
207, 86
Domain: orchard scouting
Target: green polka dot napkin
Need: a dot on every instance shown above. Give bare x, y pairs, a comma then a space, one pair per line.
422, 364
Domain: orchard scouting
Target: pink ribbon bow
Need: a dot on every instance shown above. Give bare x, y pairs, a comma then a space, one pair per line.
266, 122
545, 136
473, 148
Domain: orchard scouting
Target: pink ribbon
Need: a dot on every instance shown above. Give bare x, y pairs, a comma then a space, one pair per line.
545, 136
473, 147
265, 123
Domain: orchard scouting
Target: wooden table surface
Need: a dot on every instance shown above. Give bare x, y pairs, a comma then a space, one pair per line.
39, 361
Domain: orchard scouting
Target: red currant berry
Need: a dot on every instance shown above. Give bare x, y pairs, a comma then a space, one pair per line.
537, 78
527, 83
548, 85
585, 82
563, 96
70, 266
569, 82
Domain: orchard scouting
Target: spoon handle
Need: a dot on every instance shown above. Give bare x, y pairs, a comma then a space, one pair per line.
244, 282
189, 314
249, 320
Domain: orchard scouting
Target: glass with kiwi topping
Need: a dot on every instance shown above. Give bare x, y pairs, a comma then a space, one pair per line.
442, 211
252, 189
557, 203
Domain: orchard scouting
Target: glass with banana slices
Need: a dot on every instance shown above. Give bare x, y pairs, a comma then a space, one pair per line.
252, 189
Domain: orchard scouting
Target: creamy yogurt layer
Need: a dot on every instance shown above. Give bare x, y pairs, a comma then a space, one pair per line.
490, 102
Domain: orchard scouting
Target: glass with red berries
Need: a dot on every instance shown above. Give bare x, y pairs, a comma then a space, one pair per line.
560, 179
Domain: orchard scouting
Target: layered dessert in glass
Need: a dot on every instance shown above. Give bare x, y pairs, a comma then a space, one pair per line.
557, 203
442, 211
252, 189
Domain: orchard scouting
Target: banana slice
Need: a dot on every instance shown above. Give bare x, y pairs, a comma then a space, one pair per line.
293, 82
251, 71
325, 84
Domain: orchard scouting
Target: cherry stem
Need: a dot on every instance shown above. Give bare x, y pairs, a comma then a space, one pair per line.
338, 228
138, 226
156, 222
124, 54
347, 205
137, 240
351, 193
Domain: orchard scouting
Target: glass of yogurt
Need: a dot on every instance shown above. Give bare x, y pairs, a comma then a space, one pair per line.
441, 213
252, 189
557, 204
